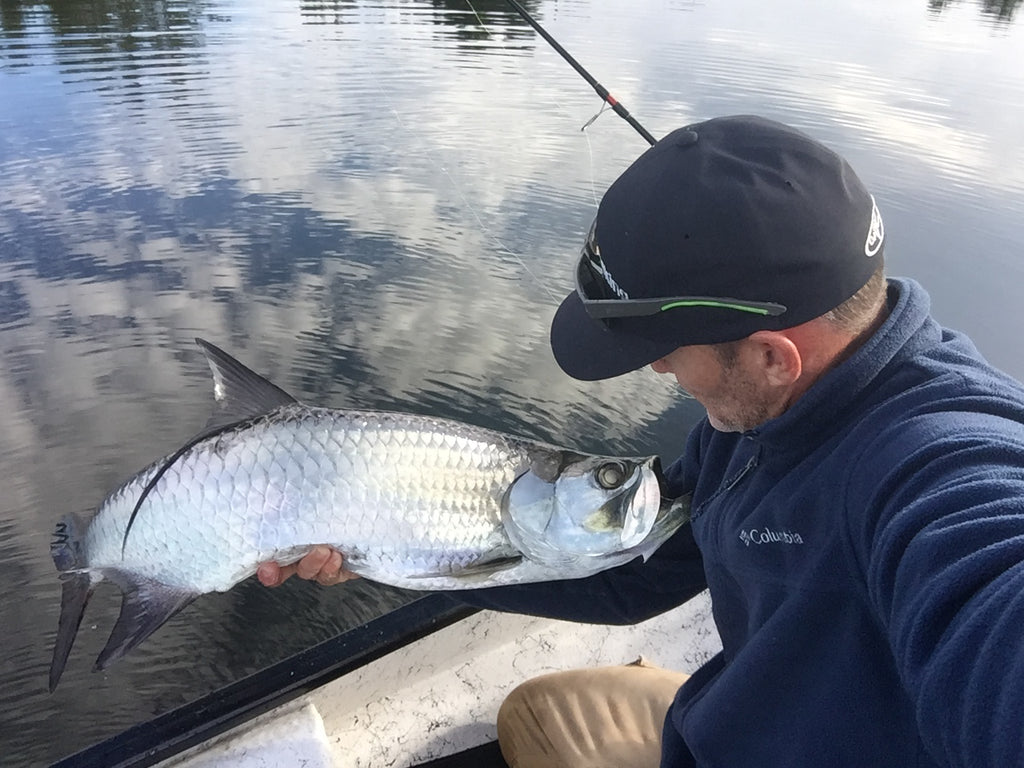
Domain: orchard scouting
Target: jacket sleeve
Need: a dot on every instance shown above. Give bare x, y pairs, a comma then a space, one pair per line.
943, 556
627, 594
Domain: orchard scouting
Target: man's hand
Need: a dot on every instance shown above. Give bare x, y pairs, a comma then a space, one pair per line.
322, 565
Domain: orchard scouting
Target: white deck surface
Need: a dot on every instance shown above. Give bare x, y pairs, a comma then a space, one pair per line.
441, 694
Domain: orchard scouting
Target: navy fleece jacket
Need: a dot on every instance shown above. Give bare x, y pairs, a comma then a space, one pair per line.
865, 557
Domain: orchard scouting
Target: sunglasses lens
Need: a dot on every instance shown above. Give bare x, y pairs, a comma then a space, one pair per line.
589, 280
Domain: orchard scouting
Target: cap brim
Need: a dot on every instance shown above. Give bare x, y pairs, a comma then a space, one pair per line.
588, 350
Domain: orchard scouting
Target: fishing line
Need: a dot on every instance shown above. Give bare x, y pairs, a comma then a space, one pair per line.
601, 91
606, 98
429, 154
590, 157
583, 129
608, 101
479, 20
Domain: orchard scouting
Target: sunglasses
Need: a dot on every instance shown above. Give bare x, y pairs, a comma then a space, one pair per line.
603, 299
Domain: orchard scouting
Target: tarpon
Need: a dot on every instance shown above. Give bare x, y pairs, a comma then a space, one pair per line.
412, 501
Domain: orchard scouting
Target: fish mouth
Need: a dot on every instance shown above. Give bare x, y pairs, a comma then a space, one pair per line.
669, 503
673, 514
673, 511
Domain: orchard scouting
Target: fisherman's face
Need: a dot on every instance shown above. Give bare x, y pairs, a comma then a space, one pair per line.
728, 386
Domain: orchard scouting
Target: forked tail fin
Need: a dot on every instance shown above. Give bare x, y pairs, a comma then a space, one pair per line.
145, 607
76, 590
66, 547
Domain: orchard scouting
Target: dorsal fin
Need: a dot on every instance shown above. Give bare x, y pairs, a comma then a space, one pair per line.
240, 392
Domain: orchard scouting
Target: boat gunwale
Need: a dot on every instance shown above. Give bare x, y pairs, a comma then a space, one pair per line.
215, 713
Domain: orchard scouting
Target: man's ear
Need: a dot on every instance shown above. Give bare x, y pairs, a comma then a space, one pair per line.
778, 356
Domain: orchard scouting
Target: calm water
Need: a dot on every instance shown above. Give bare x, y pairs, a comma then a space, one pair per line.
377, 205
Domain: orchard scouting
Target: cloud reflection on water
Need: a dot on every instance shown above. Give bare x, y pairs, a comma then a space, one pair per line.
374, 204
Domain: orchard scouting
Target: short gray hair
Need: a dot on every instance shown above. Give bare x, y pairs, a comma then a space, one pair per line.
859, 311
853, 316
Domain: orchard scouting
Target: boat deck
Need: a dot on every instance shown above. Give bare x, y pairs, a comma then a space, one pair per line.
418, 687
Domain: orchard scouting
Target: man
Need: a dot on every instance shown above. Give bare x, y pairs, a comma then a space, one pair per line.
858, 484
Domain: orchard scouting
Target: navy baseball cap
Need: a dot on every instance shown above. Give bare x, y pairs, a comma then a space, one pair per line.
723, 228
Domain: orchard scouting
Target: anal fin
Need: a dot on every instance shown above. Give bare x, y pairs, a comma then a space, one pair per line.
145, 607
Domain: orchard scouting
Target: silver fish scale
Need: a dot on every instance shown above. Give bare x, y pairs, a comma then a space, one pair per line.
399, 494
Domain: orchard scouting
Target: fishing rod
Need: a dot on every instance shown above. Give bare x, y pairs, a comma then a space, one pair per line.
601, 91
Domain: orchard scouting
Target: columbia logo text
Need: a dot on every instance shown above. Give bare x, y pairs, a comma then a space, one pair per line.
768, 536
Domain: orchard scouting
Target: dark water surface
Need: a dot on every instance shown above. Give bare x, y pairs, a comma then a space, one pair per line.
377, 205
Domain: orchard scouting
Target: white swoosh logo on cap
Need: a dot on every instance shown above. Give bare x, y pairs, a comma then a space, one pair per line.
876, 232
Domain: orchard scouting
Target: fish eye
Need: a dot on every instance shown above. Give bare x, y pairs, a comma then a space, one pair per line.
611, 475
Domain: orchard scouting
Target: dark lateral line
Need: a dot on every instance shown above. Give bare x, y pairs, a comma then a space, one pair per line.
163, 469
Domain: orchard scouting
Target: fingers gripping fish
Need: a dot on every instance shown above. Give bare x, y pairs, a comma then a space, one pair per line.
411, 501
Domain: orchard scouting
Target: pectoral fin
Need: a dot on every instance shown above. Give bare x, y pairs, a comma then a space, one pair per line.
478, 570
481, 569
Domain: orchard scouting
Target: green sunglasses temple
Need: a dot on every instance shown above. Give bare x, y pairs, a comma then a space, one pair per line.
756, 309
601, 309
609, 308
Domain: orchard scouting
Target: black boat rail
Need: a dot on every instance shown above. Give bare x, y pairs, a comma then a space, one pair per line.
173, 732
